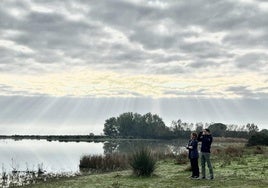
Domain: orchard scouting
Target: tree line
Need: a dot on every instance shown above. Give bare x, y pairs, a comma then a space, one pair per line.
134, 125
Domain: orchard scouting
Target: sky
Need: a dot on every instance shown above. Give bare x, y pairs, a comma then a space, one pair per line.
66, 66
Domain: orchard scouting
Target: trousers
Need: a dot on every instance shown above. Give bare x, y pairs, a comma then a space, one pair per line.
205, 158
194, 167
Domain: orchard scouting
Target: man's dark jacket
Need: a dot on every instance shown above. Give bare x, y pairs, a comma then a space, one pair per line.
206, 142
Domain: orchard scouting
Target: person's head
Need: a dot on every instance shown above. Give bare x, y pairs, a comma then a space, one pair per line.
206, 131
193, 136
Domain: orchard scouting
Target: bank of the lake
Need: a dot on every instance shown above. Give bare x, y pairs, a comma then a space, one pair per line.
248, 170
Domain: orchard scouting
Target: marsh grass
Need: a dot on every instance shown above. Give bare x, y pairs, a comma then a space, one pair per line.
104, 163
117, 161
229, 140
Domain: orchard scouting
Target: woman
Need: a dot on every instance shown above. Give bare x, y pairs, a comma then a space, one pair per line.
193, 155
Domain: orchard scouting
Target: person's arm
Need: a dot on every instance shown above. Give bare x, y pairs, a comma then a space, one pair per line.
194, 144
199, 137
189, 146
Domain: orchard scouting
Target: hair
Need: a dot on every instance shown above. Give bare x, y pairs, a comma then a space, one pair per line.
194, 135
207, 130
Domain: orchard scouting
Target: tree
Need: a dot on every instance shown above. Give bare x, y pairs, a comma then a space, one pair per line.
153, 126
126, 124
218, 129
199, 127
110, 127
181, 129
264, 131
136, 125
252, 128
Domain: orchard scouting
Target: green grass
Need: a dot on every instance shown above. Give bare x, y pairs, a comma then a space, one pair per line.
250, 170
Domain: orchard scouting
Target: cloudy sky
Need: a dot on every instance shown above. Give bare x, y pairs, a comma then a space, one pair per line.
66, 66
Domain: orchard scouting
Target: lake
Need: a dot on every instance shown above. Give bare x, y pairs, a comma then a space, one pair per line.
64, 157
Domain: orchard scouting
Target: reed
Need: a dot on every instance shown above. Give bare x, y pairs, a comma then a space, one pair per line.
104, 163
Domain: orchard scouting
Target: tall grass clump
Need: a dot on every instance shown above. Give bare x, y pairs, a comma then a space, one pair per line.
142, 162
104, 163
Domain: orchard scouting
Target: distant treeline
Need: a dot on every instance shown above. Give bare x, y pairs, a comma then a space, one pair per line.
63, 138
152, 126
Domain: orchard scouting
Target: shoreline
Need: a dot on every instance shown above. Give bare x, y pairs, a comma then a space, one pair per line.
101, 138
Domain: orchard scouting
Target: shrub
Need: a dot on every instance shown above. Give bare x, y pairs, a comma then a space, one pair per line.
142, 162
259, 150
258, 139
182, 158
234, 151
226, 155
229, 151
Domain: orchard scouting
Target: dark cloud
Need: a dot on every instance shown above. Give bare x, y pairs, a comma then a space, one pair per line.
248, 39
4, 88
253, 61
246, 92
203, 64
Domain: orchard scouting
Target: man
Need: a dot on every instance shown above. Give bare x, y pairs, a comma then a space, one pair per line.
206, 139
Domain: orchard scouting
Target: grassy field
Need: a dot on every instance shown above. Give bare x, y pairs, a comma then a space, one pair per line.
231, 168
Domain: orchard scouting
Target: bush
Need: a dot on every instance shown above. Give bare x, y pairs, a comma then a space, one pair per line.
142, 162
259, 150
229, 151
182, 158
234, 151
258, 139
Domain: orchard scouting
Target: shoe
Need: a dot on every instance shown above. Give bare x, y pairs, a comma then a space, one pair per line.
211, 178
195, 178
203, 178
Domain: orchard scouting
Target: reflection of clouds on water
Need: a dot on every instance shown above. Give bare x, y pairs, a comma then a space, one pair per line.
55, 156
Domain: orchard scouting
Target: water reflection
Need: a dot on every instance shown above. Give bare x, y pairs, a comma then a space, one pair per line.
128, 146
55, 156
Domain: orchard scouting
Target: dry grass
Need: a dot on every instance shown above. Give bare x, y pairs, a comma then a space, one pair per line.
230, 140
100, 163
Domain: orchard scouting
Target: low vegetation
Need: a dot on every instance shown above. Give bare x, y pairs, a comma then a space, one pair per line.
104, 163
142, 162
234, 166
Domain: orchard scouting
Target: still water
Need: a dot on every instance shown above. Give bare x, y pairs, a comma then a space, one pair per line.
64, 157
